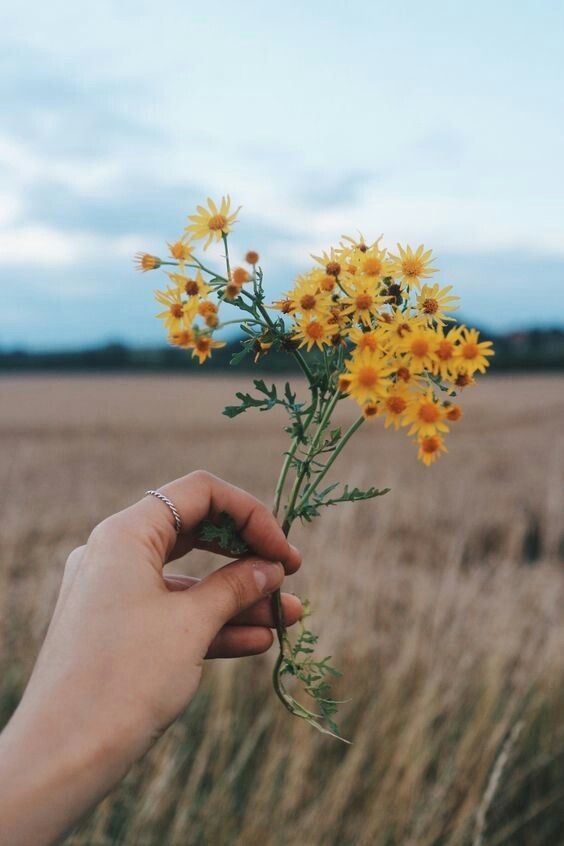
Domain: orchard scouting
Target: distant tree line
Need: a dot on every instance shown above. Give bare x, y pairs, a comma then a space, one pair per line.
535, 349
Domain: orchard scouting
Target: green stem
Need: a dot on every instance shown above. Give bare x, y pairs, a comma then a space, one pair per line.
311, 488
228, 266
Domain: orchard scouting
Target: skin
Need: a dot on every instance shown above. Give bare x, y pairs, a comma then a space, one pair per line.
125, 648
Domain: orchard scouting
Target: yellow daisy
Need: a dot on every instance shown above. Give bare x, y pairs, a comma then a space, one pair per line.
372, 340
374, 263
331, 261
183, 338
367, 372
418, 345
430, 448
212, 223
203, 346
307, 299
394, 404
425, 415
434, 302
193, 287
313, 331
362, 302
445, 349
181, 250
412, 266
178, 313
472, 352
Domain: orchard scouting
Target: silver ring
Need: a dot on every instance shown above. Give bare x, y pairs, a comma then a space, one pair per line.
167, 502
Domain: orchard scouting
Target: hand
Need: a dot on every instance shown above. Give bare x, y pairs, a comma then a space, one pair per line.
124, 651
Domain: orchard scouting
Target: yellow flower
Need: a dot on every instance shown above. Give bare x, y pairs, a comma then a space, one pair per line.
411, 266
430, 449
418, 345
195, 288
374, 263
367, 372
307, 299
145, 262
313, 331
472, 352
212, 223
445, 348
183, 338
330, 261
181, 250
362, 301
178, 313
203, 346
425, 415
372, 340
394, 404
433, 303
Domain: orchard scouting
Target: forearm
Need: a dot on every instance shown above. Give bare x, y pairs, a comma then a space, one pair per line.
52, 772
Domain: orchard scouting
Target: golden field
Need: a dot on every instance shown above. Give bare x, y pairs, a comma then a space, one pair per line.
442, 602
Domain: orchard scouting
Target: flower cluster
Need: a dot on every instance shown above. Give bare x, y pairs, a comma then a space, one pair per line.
394, 325
400, 356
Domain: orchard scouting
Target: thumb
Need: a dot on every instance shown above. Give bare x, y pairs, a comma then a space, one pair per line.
231, 589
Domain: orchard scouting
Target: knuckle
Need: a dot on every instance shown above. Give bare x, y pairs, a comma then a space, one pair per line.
73, 561
202, 477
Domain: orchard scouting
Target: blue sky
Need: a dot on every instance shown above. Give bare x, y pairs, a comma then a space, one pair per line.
436, 122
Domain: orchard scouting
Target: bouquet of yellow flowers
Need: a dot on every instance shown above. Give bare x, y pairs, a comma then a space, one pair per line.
362, 323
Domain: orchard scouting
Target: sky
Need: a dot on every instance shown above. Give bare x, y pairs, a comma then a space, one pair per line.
439, 123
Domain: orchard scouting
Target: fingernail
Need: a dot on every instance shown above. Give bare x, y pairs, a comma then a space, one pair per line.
268, 575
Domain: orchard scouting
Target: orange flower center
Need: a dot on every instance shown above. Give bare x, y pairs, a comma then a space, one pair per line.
412, 267
217, 222
403, 374
176, 310
370, 410
333, 268
430, 306
327, 283
431, 444
402, 328
191, 287
372, 266
445, 350
419, 347
307, 302
396, 405
203, 344
463, 380
470, 350
367, 377
429, 412
368, 342
314, 330
364, 301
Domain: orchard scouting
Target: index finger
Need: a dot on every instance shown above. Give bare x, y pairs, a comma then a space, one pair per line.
201, 495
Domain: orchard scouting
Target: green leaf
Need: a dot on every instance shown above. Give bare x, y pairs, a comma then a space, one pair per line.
223, 533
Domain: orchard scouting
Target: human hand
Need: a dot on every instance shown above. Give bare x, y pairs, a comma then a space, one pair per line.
124, 651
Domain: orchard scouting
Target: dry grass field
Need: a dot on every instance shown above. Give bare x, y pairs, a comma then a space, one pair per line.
442, 602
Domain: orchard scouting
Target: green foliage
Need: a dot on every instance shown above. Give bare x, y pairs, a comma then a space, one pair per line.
309, 510
224, 534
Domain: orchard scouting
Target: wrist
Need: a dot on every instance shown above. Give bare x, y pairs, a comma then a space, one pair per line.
53, 769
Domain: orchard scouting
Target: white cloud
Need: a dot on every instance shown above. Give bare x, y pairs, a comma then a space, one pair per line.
37, 245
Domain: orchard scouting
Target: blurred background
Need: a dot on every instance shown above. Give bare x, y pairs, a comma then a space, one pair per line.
437, 123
